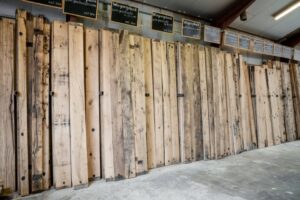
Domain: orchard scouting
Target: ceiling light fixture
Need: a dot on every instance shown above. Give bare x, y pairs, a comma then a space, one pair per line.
287, 10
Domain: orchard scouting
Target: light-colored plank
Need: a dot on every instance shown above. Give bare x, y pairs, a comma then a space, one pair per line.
105, 102
138, 98
149, 105
171, 62
158, 104
61, 149
22, 137
92, 103
288, 103
7, 85
204, 103
127, 106
45, 106
77, 106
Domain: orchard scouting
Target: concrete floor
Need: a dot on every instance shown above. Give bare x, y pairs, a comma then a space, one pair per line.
271, 173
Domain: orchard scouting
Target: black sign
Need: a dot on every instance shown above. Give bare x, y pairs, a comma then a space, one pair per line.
231, 39
81, 8
244, 42
124, 14
258, 46
191, 28
53, 3
212, 34
162, 22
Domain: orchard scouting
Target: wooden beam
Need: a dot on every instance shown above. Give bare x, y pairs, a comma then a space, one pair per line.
227, 16
292, 39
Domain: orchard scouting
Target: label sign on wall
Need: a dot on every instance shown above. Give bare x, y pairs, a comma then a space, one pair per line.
162, 22
191, 28
231, 39
212, 34
297, 54
268, 48
277, 50
53, 3
124, 14
287, 52
86, 8
244, 42
258, 46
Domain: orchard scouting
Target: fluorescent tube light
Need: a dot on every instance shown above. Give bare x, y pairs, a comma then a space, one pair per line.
287, 10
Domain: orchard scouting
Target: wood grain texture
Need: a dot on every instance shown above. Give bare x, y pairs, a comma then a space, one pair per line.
77, 106
138, 99
7, 85
92, 103
22, 134
289, 116
61, 149
295, 79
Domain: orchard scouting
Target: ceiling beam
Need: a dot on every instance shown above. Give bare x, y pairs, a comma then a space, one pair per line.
227, 16
292, 39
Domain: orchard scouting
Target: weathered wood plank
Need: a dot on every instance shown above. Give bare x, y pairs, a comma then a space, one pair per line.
21, 87
92, 104
106, 104
150, 127
138, 98
7, 85
289, 116
77, 106
204, 103
295, 79
171, 62
61, 149
127, 105
158, 101
45, 107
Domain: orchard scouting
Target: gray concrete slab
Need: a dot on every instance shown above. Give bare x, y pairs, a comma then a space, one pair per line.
271, 173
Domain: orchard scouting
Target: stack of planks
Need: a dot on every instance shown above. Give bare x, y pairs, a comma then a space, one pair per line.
7, 86
32, 86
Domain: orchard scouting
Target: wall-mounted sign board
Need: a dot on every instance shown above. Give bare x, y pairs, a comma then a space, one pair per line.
212, 34
268, 48
79, 8
191, 29
244, 42
230, 39
258, 46
52, 3
297, 54
277, 50
162, 22
287, 52
124, 14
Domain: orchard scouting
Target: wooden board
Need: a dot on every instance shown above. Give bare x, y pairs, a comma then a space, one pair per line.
246, 108
92, 103
209, 81
263, 114
138, 99
22, 137
45, 107
61, 149
150, 126
127, 105
276, 105
204, 103
171, 62
158, 101
295, 79
106, 104
232, 96
289, 117
7, 123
